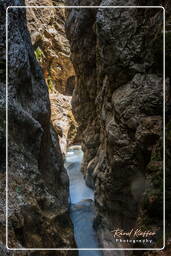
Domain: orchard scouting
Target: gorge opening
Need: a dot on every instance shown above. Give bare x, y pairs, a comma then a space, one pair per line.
52, 51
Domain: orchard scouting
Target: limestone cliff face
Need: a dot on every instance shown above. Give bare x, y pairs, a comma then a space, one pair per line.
52, 50
63, 120
38, 183
118, 102
47, 28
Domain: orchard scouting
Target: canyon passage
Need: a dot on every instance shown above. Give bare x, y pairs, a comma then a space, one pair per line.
85, 111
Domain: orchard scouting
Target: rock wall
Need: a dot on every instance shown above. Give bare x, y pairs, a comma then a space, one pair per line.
52, 50
37, 181
47, 29
118, 103
63, 120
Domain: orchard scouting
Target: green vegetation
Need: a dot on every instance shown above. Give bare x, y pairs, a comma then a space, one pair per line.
39, 54
50, 84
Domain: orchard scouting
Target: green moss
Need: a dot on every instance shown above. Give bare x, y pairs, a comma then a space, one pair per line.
50, 84
39, 54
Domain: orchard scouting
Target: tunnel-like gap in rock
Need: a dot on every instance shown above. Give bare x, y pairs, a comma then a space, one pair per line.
52, 51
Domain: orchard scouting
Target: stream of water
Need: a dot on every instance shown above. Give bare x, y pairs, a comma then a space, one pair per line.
82, 204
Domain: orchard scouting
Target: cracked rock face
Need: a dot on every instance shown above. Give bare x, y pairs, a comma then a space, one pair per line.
38, 183
118, 103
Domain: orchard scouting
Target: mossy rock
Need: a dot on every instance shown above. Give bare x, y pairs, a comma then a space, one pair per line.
50, 84
39, 54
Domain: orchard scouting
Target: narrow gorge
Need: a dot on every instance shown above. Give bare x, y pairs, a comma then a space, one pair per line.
85, 127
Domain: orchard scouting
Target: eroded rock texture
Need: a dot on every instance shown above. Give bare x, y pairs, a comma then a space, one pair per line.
52, 50
38, 183
47, 28
118, 102
63, 120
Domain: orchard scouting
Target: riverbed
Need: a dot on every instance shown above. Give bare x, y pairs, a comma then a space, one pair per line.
82, 211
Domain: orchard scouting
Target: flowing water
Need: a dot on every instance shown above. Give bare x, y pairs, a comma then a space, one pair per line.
82, 204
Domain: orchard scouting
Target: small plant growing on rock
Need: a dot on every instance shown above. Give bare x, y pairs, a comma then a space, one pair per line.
50, 84
39, 54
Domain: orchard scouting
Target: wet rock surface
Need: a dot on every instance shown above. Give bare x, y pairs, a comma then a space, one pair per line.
38, 183
118, 103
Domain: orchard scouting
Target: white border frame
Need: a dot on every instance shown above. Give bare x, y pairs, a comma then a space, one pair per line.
164, 97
